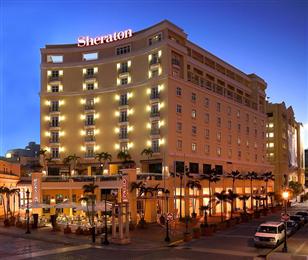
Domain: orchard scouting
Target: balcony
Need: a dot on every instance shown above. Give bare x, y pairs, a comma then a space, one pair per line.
54, 124
176, 62
54, 78
123, 72
123, 136
155, 131
155, 114
123, 103
123, 120
89, 107
89, 138
89, 76
154, 61
154, 96
54, 141
89, 123
54, 109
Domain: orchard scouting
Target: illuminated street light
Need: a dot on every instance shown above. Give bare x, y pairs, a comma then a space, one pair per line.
285, 196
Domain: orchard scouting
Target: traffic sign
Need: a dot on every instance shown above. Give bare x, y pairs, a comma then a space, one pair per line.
285, 217
169, 216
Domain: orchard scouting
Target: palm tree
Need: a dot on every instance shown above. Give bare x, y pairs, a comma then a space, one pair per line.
124, 156
89, 192
148, 152
42, 154
67, 162
231, 198
271, 195
3, 192
74, 158
234, 175
194, 184
251, 176
211, 176
221, 197
48, 161
14, 192
205, 208
244, 198
103, 158
267, 176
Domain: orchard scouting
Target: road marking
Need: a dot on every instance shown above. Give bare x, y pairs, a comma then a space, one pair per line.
220, 251
299, 248
48, 252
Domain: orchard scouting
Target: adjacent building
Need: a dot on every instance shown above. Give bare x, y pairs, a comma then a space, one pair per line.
284, 144
306, 167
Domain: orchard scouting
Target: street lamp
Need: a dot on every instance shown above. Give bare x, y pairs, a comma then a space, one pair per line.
167, 238
285, 196
28, 213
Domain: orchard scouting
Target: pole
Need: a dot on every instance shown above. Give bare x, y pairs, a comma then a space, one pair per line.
28, 213
106, 242
167, 239
93, 224
285, 247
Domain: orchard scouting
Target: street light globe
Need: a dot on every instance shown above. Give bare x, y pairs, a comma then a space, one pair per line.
285, 195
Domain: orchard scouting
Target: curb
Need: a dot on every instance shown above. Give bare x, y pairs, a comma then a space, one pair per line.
175, 243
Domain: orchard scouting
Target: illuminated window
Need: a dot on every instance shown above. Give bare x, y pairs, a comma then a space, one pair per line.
55, 152
270, 125
238, 113
270, 135
178, 108
178, 91
123, 50
154, 39
218, 151
238, 140
193, 147
218, 136
89, 151
193, 113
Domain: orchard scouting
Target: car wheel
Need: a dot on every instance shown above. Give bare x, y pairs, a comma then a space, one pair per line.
278, 242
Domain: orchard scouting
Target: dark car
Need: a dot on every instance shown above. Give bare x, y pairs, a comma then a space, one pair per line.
303, 214
298, 219
292, 227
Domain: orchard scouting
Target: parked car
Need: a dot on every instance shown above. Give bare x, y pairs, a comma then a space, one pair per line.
303, 214
292, 227
298, 219
269, 234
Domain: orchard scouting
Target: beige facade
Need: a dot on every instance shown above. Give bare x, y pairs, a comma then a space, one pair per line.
284, 144
156, 89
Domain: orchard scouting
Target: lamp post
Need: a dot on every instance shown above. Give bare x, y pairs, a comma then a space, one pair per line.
285, 196
167, 238
106, 242
28, 213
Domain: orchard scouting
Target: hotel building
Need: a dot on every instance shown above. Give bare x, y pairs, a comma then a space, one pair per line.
150, 89
284, 144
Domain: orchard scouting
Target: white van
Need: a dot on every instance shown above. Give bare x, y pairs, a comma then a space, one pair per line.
269, 234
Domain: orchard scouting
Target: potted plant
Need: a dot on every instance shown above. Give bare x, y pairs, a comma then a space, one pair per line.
196, 232
67, 229
79, 231
205, 228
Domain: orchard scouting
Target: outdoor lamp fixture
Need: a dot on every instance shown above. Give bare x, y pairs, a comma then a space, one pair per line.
285, 196
106, 242
28, 213
167, 238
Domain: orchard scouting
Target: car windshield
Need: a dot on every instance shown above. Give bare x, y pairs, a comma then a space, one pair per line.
267, 229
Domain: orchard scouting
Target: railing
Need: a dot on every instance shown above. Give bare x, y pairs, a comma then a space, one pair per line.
89, 76
175, 62
54, 109
89, 138
154, 114
154, 61
155, 131
123, 103
123, 70
54, 125
149, 176
82, 178
54, 78
154, 96
122, 120
123, 136
54, 141
89, 107
89, 123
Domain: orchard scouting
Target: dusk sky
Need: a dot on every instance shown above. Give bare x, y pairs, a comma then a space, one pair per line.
268, 38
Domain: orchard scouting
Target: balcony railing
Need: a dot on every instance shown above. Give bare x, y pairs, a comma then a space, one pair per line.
89, 123
154, 96
175, 62
123, 120
154, 61
123, 70
54, 109
54, 141
123, 136
154, 114
89, 76
89, 138
54, 125
82, 178
54, 78
155, 131
123, 103
89, 107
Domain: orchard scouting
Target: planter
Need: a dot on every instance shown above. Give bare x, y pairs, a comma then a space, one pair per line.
142, 224
222, 226
187, 237
67, 230
206, 231
196, 233
18, 224
79, 231
6, 223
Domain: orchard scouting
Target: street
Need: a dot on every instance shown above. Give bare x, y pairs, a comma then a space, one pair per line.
233, 243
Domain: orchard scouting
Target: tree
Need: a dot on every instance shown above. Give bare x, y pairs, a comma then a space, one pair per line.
221, 198
267, 176
14, 192
4, 191
205, 208
251, 176
271, 195
231, 198
42, 154
296, 188
211, 176
244, 198
194, 184
234, 175
147, 152
103, 158
125, 157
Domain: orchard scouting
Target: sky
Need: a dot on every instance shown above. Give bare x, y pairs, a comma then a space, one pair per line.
268, 38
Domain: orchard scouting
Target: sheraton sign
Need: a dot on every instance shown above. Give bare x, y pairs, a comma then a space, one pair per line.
84, 41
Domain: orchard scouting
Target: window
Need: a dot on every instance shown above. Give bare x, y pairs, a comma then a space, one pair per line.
155, 59
154, 39
54, 106
207, 149
229, 111
178, 108
55, 74
256, 132
54, 137
239, 154
155, 127
123, 132
89, 152
90, 72
155, 145
55, 88
123, 67
154, 73
54, 58
238, 140
238, 113
178, 91
193, 113
194, 130
124, 81
218, 151
229, 124
239, 127
154, 93
154, 110
123, 99
207, 134
55, 152
207, 118
89, 104
247, 143
247, 130
206, 102
123, 116
89, 135
193, 97
90, 120
218, 107
229, 139
247, 117
90, 56
55, 121
90, 86
193, 147
179, 127
179, 144
123, 50
229, 153
218, 136
218, 122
